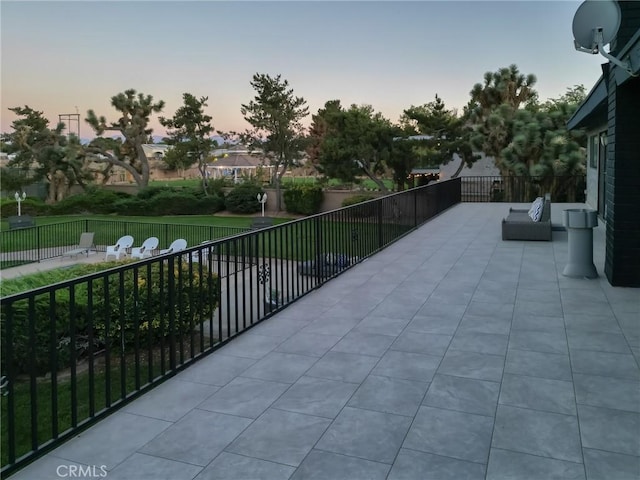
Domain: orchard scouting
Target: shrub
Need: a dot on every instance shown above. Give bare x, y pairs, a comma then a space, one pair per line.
94, 200
147, 308
244, 198
356, 199
29, 206
303, 199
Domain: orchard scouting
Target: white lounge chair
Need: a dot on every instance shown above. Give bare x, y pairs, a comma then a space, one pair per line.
84, 245
146, 249
176, 246
120, 248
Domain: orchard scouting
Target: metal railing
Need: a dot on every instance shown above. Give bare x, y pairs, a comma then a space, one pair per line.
28, 245
523, 189
75, 351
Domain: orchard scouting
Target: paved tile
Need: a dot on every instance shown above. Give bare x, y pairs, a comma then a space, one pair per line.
409, 366
316, 396
452, 434
216, 369
434, 324
280, 367
314, 345
538, 364
463, 394
251, 346
332, 324
610, 466
591, 323
228, 466
611, 430
278, 326
614, 365
366, 434
472, 365
401, 307
363, 343
480, 342
171, 400
197, 438
319, 465
501, 310
112, 440
425, 343
345, 367
537, 322
411, 465
281, 437
538, 433
598, 341
607, 392
389, 395
244, 397
549, 341
538, 394
485, 324
382, 325
538, 307
432, 308
147, 467
591, 308
506, 465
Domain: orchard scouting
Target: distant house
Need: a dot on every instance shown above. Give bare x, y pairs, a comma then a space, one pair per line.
611, 116
238, 162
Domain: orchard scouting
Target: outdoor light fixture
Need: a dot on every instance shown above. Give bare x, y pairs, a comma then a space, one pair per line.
20, 199
262, 199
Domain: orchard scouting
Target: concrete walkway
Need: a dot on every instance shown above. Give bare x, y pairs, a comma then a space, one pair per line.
449, 355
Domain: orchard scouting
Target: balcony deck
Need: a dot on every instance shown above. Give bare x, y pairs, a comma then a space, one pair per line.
450, 354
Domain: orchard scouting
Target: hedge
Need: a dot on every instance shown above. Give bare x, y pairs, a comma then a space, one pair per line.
303, 199
244, 198
150, 311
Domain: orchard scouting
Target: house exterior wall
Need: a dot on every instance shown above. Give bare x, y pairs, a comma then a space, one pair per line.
592, 169
622, 259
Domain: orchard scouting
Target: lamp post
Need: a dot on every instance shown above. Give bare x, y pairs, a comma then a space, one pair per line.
19, 199
262, 199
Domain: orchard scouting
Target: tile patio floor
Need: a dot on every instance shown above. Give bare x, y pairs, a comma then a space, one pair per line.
449, 355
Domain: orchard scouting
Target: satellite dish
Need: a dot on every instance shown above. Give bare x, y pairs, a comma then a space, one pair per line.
595, 25
593, 17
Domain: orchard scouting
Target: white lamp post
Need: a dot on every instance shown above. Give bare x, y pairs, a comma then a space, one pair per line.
262, 199
19, 199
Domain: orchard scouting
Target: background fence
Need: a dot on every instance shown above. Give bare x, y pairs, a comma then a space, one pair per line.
75, 351
523, 189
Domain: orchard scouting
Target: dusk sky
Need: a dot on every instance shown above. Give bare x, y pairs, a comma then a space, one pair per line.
57, 56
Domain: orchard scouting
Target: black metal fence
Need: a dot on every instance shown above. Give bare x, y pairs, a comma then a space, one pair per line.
74, 351
42, 242
523, 189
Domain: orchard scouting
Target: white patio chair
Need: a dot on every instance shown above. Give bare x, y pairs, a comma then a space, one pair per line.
176, 246
120, 248
146, 249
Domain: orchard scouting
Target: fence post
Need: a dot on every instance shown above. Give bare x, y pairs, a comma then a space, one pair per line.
38, 242
380, 236
415, 208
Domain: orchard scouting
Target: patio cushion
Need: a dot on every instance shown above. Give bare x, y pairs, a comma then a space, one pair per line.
535, 212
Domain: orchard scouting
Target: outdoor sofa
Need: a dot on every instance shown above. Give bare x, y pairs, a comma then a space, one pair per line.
520, 226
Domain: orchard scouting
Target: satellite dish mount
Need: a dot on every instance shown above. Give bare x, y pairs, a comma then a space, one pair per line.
595, 25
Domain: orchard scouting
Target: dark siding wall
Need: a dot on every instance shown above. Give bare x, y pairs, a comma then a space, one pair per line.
622, 262
629, 24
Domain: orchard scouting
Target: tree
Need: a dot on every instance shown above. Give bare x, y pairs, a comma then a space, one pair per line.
274, 115
354, 141
135, 109
492, 110
189, 132
445, 134
46, 154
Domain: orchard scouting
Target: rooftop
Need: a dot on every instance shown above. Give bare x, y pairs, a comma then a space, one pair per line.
450, 354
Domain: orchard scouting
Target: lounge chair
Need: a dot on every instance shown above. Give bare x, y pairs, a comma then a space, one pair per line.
120, 248
176, 246
84, 245
146, 249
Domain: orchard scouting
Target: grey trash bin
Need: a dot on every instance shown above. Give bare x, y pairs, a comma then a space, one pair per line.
580, 223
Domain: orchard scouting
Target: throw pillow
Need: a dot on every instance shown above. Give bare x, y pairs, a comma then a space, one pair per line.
536, 209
